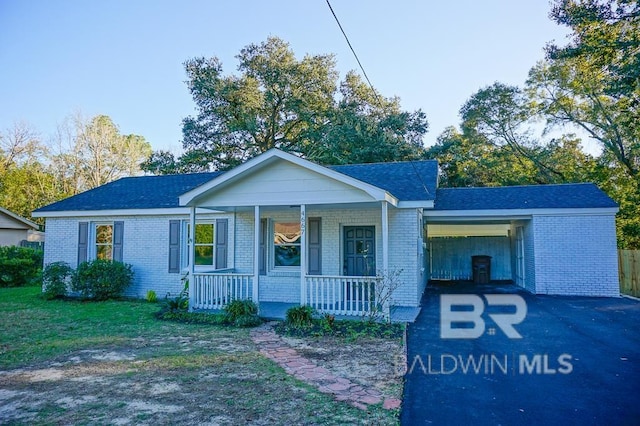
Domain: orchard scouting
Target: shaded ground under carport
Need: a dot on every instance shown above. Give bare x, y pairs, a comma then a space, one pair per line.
578, 362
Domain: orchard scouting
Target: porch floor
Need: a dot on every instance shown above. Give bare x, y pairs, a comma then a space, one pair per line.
278, 310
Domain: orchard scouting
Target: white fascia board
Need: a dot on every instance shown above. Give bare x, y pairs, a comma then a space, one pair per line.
519, 212
123, 212
426, 204
377, 193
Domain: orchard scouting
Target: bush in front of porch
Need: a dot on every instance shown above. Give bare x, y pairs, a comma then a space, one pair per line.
304, 321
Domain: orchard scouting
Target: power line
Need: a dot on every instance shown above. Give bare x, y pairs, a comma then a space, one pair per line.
355, 54
424, 186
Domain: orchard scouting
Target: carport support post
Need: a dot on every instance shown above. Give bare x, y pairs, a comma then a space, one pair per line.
303, 254
385, 255
192, 256
256, 255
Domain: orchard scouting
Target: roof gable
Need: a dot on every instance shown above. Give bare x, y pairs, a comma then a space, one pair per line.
271, 169
11, 220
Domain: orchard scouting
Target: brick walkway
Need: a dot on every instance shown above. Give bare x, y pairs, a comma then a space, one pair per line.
276, 349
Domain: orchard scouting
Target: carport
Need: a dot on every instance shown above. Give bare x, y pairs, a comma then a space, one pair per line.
451, 245
548, 239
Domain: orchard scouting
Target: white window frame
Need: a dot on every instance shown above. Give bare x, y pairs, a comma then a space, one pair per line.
185, 247
92, 252
272, 247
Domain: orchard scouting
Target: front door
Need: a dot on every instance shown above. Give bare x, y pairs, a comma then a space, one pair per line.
359, 251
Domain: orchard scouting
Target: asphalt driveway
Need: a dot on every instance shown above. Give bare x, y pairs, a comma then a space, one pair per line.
578, 361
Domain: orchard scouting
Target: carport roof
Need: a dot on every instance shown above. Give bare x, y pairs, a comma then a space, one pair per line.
563, 196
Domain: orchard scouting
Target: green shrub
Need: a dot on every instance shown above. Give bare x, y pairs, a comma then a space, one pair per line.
102, 279
152, 297
56, 280
300, 316
20, 266
242, 313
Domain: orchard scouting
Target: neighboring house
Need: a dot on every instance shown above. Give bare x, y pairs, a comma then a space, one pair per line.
282, 229
14, 229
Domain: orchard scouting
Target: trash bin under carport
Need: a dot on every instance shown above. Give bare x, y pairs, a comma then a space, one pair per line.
481, 267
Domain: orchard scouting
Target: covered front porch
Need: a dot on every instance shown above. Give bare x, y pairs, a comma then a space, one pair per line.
294, 234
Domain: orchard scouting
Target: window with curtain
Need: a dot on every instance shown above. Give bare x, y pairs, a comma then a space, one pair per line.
286, 244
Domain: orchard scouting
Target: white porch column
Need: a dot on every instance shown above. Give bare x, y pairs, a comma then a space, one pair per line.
385, 237
303, 254
385, 255
192, 256
256, 255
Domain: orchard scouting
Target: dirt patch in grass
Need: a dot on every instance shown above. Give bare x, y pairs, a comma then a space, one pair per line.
370, 362
231, 389
114, 363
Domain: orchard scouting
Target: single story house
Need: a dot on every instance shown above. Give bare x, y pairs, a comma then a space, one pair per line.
279, 228
14, 229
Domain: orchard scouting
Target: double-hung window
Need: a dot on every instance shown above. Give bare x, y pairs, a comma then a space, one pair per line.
205, 244
210, 244
104, 241
286, 244
100, 240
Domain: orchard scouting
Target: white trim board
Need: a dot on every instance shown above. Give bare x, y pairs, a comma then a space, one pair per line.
517, 213
124, 212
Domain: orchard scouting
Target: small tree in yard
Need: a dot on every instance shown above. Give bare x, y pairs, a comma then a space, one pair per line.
382, 295
102, 279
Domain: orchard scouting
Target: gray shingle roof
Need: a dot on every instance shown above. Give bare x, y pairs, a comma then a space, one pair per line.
564, 196
407, 181
150, 192
143, 192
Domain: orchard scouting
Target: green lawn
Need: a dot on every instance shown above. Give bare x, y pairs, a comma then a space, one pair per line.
114, 362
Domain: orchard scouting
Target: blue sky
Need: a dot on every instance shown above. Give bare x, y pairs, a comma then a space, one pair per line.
124, 58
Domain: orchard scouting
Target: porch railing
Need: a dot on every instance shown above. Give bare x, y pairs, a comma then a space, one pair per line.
342, 295
215, 290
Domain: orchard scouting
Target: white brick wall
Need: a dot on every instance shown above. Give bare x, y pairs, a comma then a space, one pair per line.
145, 247
575, 255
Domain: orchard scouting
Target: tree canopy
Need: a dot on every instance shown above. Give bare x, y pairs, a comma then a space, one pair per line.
297, 105
590, 87
84, 154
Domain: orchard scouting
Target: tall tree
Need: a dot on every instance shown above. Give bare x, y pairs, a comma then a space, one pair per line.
92, 152
19, 144
472, 159
594, 82
278, 101
25, 180
366, 127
